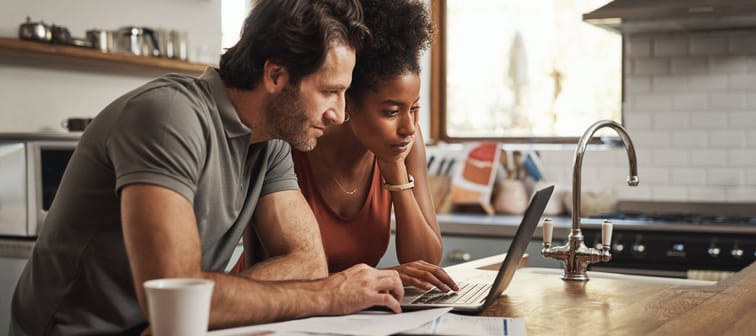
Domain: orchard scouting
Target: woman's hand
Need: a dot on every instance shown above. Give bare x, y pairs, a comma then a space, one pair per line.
425, 275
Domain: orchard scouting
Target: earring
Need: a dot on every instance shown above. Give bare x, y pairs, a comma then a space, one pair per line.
347, 116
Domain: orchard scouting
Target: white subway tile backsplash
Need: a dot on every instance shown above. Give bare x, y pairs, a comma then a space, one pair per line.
728, 64
638, 84
741, 194
650, 66
671, 120
644, 157
750, 64
688, 176
742, 120
669, 193
689, 65
613, 176
741, 157
727, 139
653, 102
644, 139
708, 158
707, 83
751, 102
708, 45
690, 108
641, 192
653, 175
670, 84
750, 178
689, 139
707, 120
728, 101
706, 194
728, 177
669, 157
637, 121
671, 47
744, 82
638, 47
690, 101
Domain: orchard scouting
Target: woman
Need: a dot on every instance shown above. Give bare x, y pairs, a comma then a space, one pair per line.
376, 158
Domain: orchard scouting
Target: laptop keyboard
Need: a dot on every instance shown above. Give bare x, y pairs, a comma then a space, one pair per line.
467, 293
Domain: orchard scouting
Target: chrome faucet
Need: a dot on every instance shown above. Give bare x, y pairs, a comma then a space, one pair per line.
575, 255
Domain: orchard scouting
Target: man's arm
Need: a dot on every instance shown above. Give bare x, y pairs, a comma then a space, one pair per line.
162, 241
289, 234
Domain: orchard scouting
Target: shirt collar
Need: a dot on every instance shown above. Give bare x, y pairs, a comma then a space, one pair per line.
230, 117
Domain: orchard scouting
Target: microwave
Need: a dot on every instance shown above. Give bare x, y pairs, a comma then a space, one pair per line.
31, 168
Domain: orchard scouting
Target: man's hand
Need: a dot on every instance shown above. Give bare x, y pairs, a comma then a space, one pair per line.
425, 275
362, 286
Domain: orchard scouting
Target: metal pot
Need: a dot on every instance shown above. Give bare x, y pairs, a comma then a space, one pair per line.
136, 41
100, 39
60, 35
34, 31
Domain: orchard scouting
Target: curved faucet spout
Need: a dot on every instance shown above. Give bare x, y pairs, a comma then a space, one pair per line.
632, 179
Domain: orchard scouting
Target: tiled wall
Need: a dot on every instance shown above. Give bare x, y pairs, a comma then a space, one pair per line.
690, 108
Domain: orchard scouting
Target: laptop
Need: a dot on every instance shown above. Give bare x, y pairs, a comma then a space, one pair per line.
473, 297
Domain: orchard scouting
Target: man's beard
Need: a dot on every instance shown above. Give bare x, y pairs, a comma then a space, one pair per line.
288, 118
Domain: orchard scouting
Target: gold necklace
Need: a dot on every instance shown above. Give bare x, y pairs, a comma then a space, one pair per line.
335, 178
350, 193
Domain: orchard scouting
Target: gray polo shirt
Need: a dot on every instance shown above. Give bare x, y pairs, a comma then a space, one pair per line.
178, 132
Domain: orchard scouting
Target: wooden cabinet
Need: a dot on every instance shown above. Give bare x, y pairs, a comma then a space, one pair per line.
62, 54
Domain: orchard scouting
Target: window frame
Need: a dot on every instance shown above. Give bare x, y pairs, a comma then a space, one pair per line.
438, 130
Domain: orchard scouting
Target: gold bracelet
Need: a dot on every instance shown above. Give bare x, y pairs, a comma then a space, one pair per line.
400, 187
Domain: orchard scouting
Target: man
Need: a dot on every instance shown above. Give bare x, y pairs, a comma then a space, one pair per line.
167, 177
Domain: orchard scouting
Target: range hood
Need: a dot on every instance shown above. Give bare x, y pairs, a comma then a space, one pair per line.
645, 16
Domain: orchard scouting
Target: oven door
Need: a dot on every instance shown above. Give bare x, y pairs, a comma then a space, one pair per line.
47, 163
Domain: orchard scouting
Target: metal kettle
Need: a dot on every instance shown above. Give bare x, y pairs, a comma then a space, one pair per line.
34, 31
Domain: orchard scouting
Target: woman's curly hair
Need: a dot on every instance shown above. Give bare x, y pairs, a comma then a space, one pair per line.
401, 30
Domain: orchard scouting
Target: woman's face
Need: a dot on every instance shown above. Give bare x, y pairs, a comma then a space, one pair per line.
385, 120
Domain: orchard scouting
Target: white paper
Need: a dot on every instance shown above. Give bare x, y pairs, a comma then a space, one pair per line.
461, 325
367, 323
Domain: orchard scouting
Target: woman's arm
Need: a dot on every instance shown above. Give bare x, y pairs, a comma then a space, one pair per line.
417, 234
418, 237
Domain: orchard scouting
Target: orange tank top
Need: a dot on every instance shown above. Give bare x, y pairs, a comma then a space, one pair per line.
349, 241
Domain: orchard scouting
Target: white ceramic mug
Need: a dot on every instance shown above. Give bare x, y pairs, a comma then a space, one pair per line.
179, 306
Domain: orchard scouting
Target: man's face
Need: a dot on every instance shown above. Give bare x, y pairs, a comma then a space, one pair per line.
300, 115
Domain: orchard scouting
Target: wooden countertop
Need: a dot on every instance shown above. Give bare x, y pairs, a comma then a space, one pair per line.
628, 306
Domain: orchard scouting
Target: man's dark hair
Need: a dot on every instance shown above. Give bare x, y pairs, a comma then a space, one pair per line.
295, 34
400, 30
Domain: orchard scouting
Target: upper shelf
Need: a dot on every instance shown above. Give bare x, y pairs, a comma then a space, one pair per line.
54, 51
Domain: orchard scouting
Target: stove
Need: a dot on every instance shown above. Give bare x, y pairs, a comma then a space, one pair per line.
675, 244
681, 218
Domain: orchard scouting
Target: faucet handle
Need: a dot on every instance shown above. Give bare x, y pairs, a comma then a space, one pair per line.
548, 229
606, 234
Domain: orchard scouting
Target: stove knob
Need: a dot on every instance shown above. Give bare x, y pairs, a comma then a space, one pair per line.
713, 252
736, 253
619, 247
639, 248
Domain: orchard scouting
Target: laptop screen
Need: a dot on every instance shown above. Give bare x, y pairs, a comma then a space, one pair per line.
520, 241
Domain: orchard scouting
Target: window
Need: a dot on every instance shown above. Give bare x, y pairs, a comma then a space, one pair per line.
233, 13
522, 70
